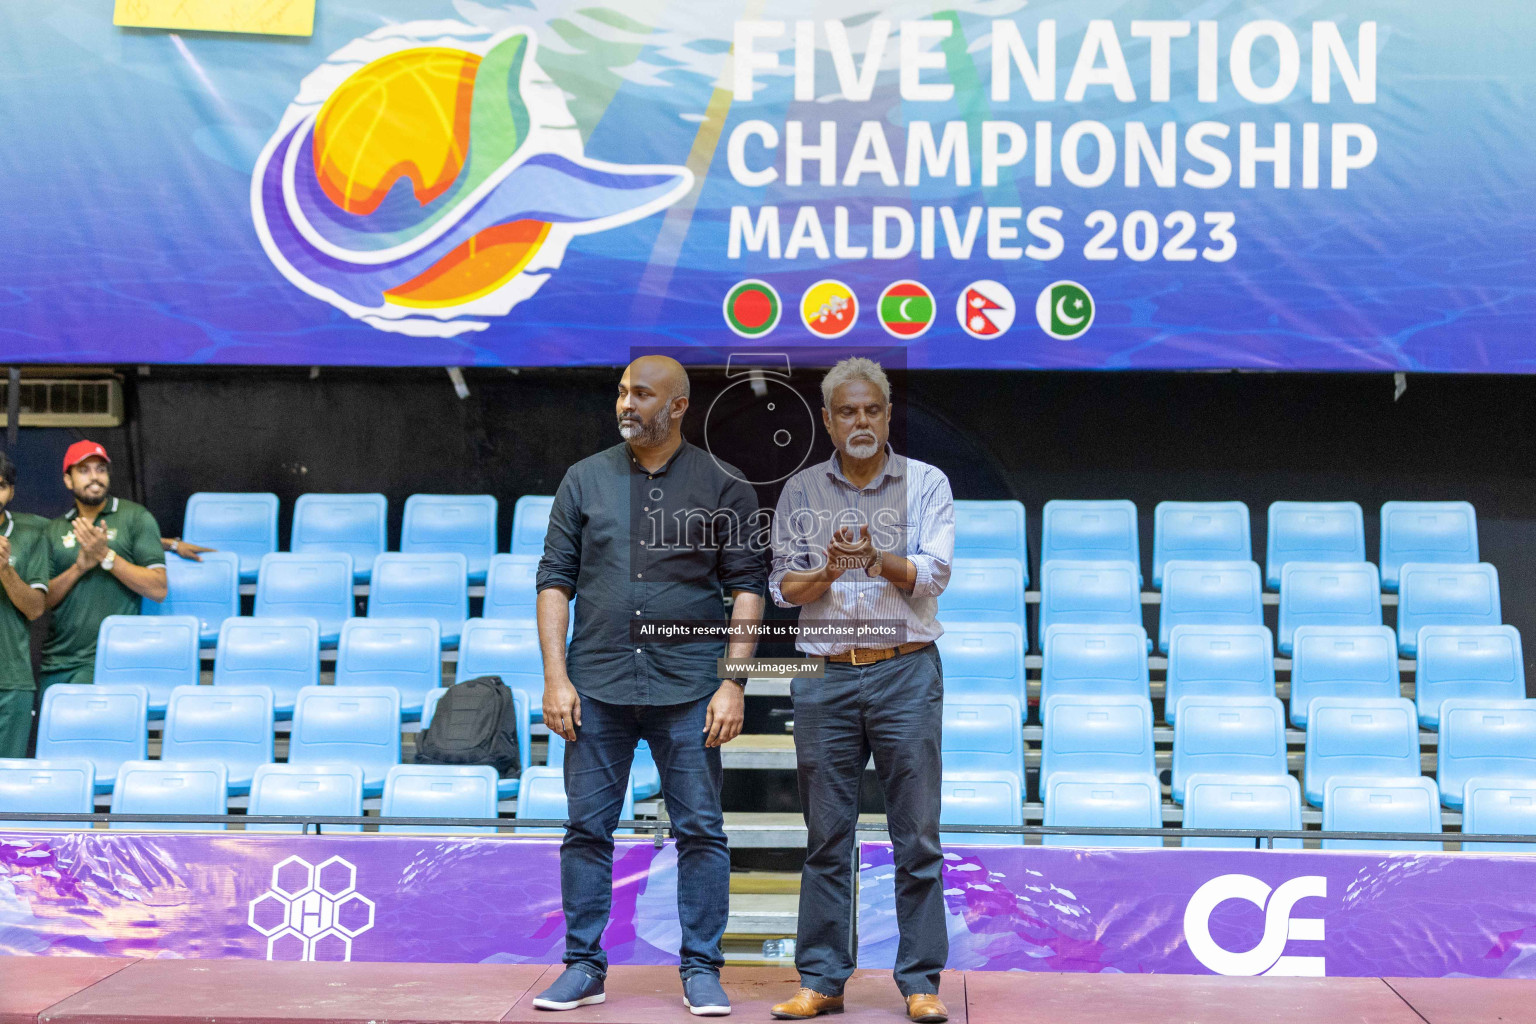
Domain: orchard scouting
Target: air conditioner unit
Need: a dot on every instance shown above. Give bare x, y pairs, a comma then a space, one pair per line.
66, 402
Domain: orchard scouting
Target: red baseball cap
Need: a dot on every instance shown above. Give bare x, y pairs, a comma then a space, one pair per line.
82, 450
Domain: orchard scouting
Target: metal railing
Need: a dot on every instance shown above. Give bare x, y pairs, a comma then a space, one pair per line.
659, 830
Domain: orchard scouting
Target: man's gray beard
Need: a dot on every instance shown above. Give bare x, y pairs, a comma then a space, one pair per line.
647, 433
863, 451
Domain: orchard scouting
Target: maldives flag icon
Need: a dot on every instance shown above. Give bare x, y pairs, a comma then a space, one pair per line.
906, 309
752, 308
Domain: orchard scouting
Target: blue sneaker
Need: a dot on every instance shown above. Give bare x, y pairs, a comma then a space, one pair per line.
573, 988
703, 995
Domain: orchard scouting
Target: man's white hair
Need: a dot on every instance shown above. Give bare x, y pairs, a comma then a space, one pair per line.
851, 369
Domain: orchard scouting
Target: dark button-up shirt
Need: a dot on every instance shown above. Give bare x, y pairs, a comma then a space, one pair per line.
638, 545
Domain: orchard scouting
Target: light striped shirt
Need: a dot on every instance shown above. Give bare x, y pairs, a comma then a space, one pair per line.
909, 510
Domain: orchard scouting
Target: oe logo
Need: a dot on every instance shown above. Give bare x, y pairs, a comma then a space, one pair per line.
1279, 926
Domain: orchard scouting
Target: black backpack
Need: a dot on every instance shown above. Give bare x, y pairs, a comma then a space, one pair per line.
474, 724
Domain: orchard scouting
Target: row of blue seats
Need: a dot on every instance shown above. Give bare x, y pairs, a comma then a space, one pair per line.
1299, 531
1371, 737
1494, 806
1210, 593
1073, 530
356, 524
1342, 661
319, 585
107, 724
65, 786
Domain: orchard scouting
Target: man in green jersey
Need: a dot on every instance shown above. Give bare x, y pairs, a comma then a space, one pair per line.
104, 555
23, 582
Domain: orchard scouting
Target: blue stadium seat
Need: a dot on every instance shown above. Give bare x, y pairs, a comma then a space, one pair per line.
439, 791
507, 648
442, 523
1481, 662
1218, 661
1445, 595
543, 797
1209, 593
506, 788
1089, 593
984, 590
986, 798
1312, 531
1227, 736
417, 586
530, 522
314, 586
1342, 661
170, 787
1353, 804
348, 725
1359, 737
354, 524
1426, 531
511, 590
64, 786
991, 529
105, 725
229, 724
1095, 659
979, 658
1236, 801
1086, 799
399, 653
283, 654
644, 775
1104, 735
208, 590
1327, 594
245, 524
307, 789
157, 652
1499, 807
1484, 737
1090, 531
1200, 531
982, 735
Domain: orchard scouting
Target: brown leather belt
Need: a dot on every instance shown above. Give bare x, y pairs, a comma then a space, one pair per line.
870, 655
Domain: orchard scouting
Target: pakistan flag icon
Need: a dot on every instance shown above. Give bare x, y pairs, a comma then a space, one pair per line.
1064, 309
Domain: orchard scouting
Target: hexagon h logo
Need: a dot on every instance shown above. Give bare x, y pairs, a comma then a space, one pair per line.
311, 912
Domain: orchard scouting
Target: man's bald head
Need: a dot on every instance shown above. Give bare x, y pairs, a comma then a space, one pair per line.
663, 373
653, 395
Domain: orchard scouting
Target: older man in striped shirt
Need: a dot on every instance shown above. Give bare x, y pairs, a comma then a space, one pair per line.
863, 544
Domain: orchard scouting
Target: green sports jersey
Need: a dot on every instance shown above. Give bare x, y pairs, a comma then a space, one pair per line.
133, 533
29, 557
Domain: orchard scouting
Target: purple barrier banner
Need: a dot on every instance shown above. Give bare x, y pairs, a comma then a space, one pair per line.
392, 898
1231, 912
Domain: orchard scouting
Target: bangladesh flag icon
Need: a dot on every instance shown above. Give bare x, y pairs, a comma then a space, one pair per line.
906, 309
752, 308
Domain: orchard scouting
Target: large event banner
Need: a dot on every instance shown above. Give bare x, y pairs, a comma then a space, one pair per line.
401, 898
984, 183
1231, 912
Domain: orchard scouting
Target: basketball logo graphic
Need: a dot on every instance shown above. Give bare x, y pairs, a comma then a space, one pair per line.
829, 309
429, 177
906, 310
985, 309
752, 308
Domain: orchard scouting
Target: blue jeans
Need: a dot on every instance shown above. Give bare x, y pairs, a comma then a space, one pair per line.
596, 779
893, 709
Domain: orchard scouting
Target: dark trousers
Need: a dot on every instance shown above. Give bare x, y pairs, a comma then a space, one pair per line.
15, 722
596, 779
893, 709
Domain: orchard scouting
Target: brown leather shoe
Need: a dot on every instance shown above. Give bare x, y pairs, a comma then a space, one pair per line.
806, 1004
926, 1008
